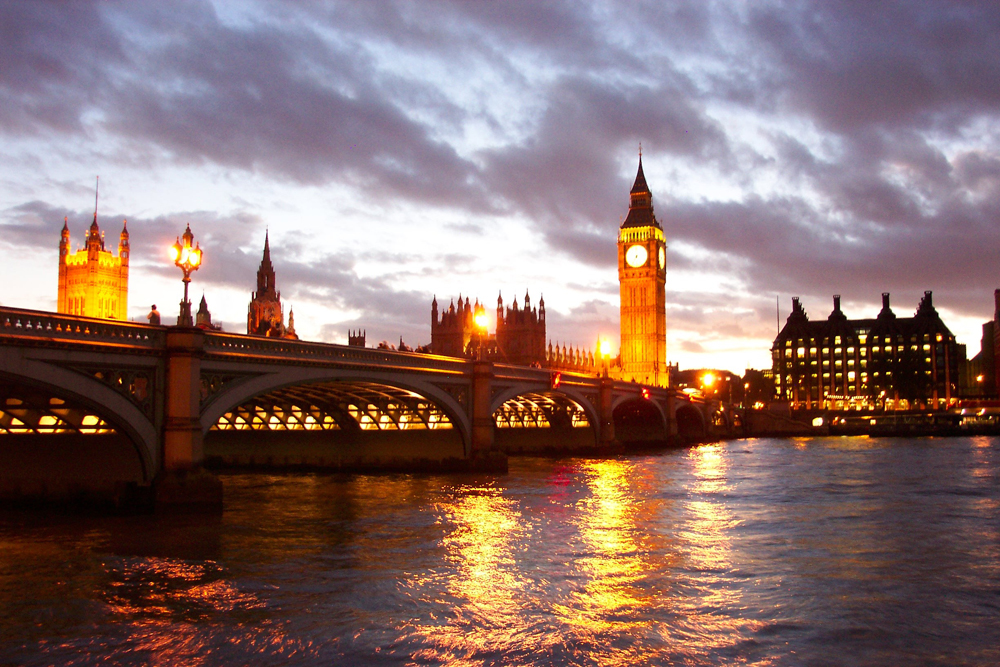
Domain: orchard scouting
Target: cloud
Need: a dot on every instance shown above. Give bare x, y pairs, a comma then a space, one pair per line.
794, 146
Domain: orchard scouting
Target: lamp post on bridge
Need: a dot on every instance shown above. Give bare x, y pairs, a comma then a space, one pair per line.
187, 259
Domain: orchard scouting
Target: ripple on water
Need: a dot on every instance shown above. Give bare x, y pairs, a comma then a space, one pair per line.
810, 551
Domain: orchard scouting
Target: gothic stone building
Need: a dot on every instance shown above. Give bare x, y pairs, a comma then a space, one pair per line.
92, 281
889, 361
519, 338
265, 316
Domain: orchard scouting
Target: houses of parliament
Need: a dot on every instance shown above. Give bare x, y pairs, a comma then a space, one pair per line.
94, 283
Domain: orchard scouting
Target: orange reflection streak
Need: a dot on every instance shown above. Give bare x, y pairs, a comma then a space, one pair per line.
618, 556
487, 613
171, 604
612, 562
707, 548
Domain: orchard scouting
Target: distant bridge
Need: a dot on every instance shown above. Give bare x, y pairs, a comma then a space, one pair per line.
98, 406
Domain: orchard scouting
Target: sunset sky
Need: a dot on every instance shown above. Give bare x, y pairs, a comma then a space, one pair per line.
401, 150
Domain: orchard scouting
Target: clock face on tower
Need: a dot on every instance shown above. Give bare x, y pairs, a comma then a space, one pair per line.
636, 256
662, 256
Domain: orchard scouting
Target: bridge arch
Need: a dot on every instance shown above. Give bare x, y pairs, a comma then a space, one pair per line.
639, 419
535, 404
299, 384
691, 425
91, 394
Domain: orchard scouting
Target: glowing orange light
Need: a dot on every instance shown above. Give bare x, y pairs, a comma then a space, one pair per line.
645, 393
481, 320
554, 380
707, 380
605, 348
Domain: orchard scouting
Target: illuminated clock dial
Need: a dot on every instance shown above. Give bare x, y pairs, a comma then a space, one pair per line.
636, 256
662, 256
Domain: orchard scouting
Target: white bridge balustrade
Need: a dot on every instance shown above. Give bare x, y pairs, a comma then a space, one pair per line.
170, 399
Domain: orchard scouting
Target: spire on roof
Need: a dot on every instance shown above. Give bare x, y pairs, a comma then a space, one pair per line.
640, 208
640, 179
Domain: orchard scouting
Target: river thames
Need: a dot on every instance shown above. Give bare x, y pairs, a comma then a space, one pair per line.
825, 551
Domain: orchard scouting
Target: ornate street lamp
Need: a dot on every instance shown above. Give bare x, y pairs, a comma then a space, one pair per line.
187, 259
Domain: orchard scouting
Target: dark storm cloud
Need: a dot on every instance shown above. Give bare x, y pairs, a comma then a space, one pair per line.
851, 65
52, 64
270, 97
567, 178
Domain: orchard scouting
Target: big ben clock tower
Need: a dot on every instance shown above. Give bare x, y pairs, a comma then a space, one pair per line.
642, 276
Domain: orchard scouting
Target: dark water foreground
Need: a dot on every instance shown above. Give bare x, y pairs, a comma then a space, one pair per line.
838, 551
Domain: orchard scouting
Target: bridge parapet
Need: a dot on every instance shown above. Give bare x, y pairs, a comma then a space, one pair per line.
33, 325
239, 346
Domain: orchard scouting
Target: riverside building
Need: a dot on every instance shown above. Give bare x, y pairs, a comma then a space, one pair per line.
886, 362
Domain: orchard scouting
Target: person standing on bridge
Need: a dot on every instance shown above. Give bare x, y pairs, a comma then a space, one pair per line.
154, 316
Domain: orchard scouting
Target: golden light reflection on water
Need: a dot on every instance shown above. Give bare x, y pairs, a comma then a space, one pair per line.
485, 615
612, 560
707, 546
170, 606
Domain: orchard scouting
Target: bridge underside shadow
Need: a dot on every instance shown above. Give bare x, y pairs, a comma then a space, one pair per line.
690, 425
639, 422
336, 425
545, 422
57, 448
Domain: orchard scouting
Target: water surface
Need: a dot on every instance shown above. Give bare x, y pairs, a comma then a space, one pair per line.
835, 551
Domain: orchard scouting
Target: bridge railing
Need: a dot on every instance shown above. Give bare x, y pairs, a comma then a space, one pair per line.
38, 325
257, 348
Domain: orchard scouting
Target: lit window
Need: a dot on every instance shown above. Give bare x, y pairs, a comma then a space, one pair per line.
801, 352
850, 376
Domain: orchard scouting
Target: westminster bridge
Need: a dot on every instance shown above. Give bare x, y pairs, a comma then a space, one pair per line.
106, 408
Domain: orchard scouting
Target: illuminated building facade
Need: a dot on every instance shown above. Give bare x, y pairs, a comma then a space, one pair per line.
642, 276
891, 362
92, 281
265, 316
